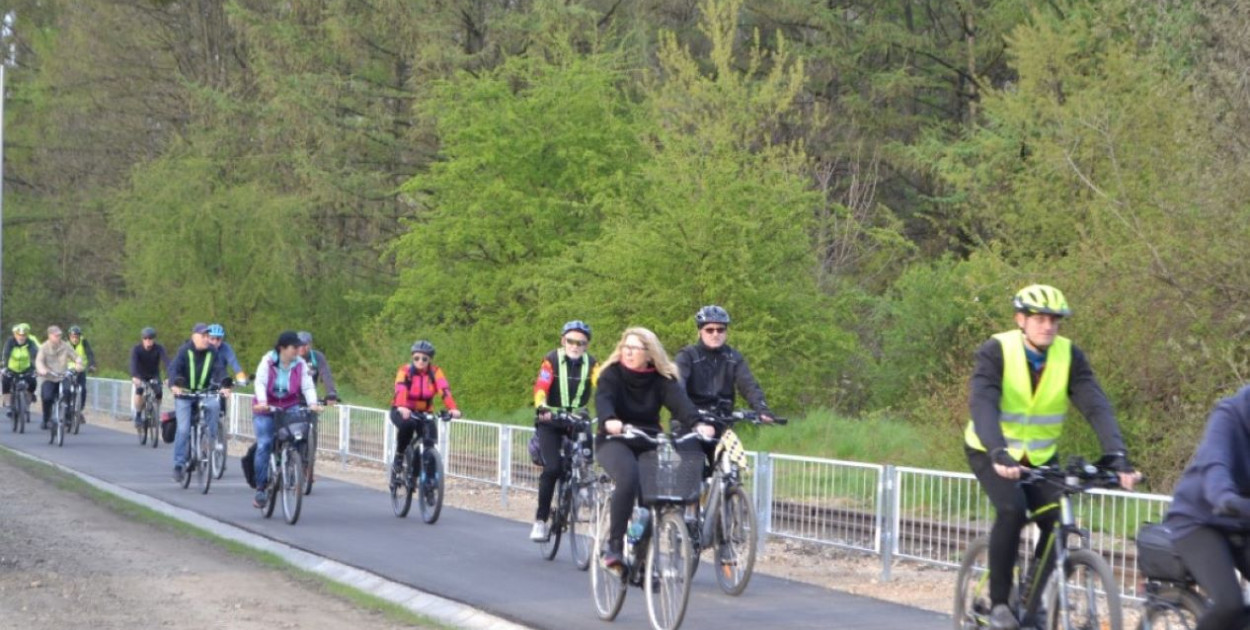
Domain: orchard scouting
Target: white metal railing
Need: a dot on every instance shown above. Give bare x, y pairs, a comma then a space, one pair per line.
919, 514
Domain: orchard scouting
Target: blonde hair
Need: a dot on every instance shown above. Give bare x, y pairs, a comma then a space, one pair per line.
655, 351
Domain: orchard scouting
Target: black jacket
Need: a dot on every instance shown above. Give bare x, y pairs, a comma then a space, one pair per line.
179, 366
636, 397
1219, 473
710, 378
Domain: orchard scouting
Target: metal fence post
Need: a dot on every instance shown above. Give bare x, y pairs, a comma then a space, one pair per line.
345, 431
386, 442
886, 491
115, 397
763, 490
444, 442
505, 463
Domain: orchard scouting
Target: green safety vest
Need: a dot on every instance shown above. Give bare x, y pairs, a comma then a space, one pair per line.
81, 349
19, 359
564, 380
197, 385
1032, 420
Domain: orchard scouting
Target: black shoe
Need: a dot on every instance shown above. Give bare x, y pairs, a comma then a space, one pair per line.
1001, 618
179, 475
613, 558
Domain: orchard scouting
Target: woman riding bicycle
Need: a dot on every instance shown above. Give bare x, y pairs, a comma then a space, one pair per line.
416, 385
564, 383
633, 384
1210, 514
282, 378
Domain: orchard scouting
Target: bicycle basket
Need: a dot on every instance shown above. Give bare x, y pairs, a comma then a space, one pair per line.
678, 480
293, 425
1155, 555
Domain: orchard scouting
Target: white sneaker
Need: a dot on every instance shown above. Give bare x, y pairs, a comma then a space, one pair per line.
539, 532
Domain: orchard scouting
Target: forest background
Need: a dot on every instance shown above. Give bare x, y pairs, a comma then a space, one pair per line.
863, 184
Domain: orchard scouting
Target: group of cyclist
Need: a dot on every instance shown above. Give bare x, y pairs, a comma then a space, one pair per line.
24, 358
1020, 390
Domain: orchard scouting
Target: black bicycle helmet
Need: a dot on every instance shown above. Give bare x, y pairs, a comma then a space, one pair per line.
424, 347
75, 330
577, 325
148, 333
711, 314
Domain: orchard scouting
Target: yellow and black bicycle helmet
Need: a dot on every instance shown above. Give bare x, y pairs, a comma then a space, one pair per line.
1041, 298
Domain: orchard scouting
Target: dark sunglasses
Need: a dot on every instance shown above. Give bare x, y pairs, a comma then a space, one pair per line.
714, 330
420, 358
576, 342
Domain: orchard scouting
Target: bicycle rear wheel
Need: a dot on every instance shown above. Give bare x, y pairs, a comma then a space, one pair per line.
219, 452
204, 460
734, 554
549, 547
20, 411
668, 570
972, 587
75, 417
581, 524
310, 462
292, 483
607, 586
1092, 595
401, 489
431, 490
274, 482
142, 427
1171, 608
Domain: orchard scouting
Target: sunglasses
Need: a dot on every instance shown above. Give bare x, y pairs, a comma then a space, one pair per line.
714, 330
634, 348
420, 358
576, 342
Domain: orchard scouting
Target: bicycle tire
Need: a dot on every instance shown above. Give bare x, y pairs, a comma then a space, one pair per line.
667, 579
16, 410
734, 551
191, 455
401, 492
154, 425
1171, 602
58, 426
204, 463
25, 410
1087, 608
272, 485
548, 548
292, 483
972, 587
142, 429
607, 586
75, 417
219, 454
431, 496
581, 524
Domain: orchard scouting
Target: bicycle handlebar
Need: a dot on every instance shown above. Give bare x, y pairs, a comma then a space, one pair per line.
630, 432
1077, 477
740, 415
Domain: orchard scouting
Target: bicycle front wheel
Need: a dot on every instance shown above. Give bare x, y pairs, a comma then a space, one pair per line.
1090, 595
1171, 608
549, 547
219, 452
668, 571
272, 484
431, 487
735, 542
401, 488
972, 587
310, 462
204, 455
582, 524
58, 427
292, 483
607, 586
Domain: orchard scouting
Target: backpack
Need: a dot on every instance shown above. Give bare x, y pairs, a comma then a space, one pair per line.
248, 463
169, 427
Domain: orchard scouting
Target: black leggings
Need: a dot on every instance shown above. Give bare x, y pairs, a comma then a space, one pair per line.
1012, 502
404, 430
550, 439
50, 393
619, 459
1214, 559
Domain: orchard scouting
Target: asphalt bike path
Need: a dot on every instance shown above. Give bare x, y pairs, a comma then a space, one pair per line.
480, 560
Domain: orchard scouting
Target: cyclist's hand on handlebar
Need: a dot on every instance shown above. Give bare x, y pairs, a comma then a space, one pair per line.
705, 430
613, 426
455, 413
1129, 479
766, 418
1005, 465
544, 414
1234, 506
175, 390
1119, 463
405, 413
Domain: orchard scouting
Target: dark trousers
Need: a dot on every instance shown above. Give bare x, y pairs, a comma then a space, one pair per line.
405, 429
82, 390
1012, 502
550, 439
619, 459
1214, 559
49, 393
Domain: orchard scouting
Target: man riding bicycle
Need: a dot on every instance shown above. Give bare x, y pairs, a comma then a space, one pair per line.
83, 348
711, 370
564, 382
196, 366
316, 361
55, 357
1020, 390
1210, 513
282, 378
18, 359
217, 337
147, 359
416, 384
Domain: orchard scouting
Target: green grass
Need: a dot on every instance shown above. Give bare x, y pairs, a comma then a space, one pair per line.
69, 483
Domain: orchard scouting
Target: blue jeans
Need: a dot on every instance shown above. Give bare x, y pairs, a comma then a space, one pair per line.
262, 425
182, 412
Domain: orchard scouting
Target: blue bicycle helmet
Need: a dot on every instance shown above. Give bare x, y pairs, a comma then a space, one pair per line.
711, 314
217, 330
577, 325
424, 347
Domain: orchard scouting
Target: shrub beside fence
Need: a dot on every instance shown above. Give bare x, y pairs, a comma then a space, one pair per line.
893, 512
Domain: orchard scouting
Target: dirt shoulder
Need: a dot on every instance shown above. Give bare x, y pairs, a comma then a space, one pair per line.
67, 561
